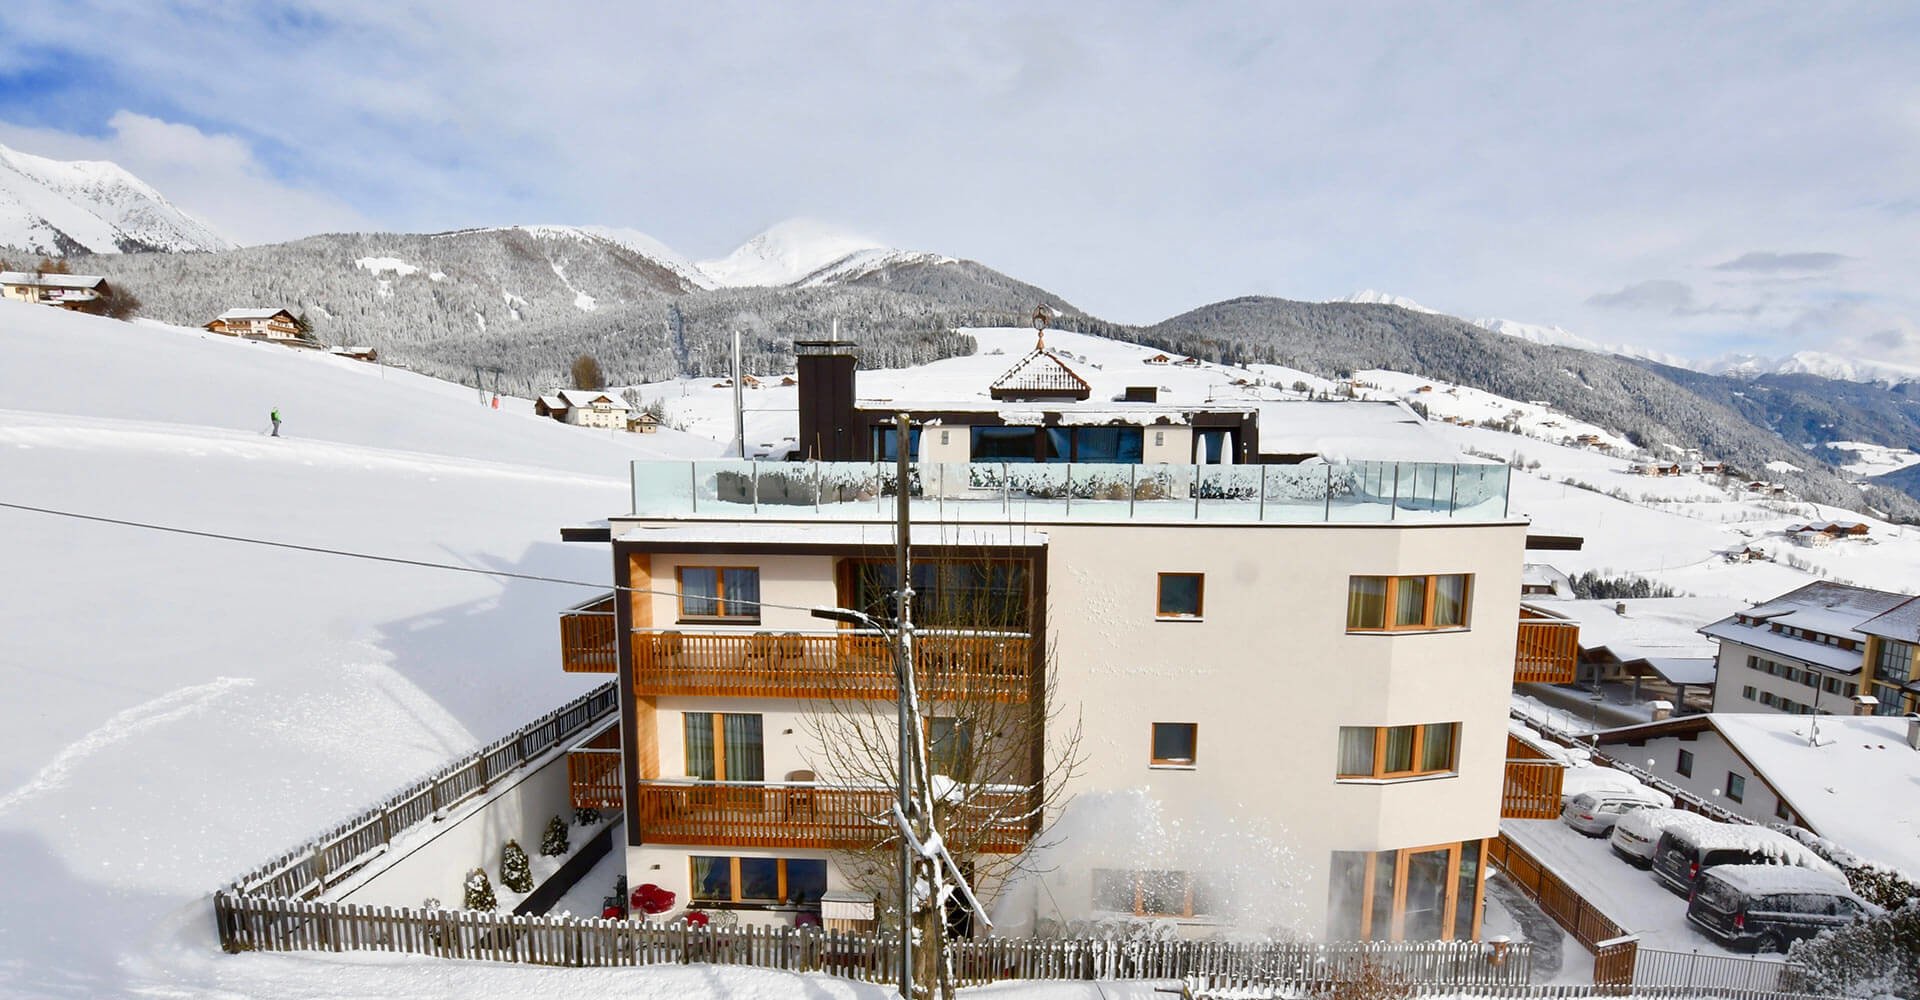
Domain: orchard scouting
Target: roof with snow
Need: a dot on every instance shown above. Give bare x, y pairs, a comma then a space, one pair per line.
1040, 375
590, 397
1662, 633
1759, 879
35, 279
1828, 608
1854, 785
263, 312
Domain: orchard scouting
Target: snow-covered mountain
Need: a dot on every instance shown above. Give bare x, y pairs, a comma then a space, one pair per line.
1821, 363
785, 254
1368, 296
57, 207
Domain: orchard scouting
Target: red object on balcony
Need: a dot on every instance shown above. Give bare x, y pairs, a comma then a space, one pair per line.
696, 918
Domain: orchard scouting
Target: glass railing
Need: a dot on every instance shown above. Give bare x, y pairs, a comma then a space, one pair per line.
1360, 492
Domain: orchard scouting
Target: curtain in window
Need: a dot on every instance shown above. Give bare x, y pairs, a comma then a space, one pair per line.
1450, 601
712, 878
1356, 750
949, 749
699, 730
1385, 868
745, 754
743, 592
1399, 749
1367, 602
699, 592
1436, 750
1410, 601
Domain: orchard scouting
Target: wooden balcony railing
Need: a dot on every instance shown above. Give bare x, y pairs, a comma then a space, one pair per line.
740, 814
1532, 790
593, 771
1547, 652
840, 664
587, 637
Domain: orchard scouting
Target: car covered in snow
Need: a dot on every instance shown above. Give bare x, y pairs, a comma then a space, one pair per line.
1636, 833
1768, 907
1683, 852
1595, 813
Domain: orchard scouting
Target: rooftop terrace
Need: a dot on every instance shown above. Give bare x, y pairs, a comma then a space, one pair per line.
1359, 492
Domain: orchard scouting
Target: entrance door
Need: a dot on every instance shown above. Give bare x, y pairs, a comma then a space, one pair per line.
1425, 915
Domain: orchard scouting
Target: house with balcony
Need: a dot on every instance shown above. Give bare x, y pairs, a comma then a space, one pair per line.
68, 291
1816, 649
263, 323
1308, 664
586, 408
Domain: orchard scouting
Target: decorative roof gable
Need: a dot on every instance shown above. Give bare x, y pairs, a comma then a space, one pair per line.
1040, 375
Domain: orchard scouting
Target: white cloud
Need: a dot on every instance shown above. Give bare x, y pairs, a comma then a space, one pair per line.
214, 177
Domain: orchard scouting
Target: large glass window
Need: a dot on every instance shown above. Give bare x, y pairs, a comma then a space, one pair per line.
985, 593
1894, 664
735, 881
729, 592
725, 746
1008, 444
1412, 894
886, 447
1408, 603
1382, 752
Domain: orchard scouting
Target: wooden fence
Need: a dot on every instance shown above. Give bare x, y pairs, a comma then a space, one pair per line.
309, 869
254, 924
1580, 918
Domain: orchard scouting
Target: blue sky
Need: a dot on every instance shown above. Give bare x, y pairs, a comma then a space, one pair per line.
1692, 179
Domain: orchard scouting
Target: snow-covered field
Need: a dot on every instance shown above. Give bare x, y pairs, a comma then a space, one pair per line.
181, 707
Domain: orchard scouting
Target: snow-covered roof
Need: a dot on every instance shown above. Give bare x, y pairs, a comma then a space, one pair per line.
590, 397
263, 312
553, 402
1544, 575
1762, 638
1758, 879
836, 534
38, 280
1684, 669
1835, 609
1902, 623
1664, 628
1346, 430
1854, 786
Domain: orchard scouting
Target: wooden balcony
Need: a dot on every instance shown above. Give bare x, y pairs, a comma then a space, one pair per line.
741, 814
1532, 790
593, 771
1547, 651
839, 664
587, 638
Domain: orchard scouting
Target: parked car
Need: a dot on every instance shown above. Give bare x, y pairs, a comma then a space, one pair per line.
1768, 907
1595, 813
1687, 850
1636, 833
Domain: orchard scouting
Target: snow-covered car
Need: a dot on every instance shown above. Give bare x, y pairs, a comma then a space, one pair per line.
1595, 813
1636, 833
1768, 907
1685, 851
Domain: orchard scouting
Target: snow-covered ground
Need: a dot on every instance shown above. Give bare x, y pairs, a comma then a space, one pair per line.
1874, 459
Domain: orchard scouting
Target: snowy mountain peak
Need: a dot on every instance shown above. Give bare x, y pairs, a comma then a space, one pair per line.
786, 253
1371, 297
56, 207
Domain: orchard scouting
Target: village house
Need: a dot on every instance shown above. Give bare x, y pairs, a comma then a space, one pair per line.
1159, 359
1815, 649
1651, 644
1836, 776
1655, 468
267, 323
643, 423
585, 408
1144, 602
69, 291
1821, 533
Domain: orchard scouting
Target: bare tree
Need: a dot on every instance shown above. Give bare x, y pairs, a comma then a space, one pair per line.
993, 755
587, 374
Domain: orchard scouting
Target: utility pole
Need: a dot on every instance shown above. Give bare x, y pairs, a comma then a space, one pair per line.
739, 403
903, 660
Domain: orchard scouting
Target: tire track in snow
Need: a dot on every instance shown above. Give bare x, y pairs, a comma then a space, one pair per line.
123, 726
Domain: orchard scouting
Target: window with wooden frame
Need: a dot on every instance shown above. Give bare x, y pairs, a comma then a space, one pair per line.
720, 593
1175, 744
1181, 595
1408, 603
752, 882
1152, 893
725, 746
1389, 752
1412, 894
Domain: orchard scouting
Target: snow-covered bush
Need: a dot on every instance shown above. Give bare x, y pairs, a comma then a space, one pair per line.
515, 872
479, 892
1875, 958
586, 817
554, 842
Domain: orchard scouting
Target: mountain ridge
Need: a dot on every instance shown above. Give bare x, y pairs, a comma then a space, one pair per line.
53, 208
